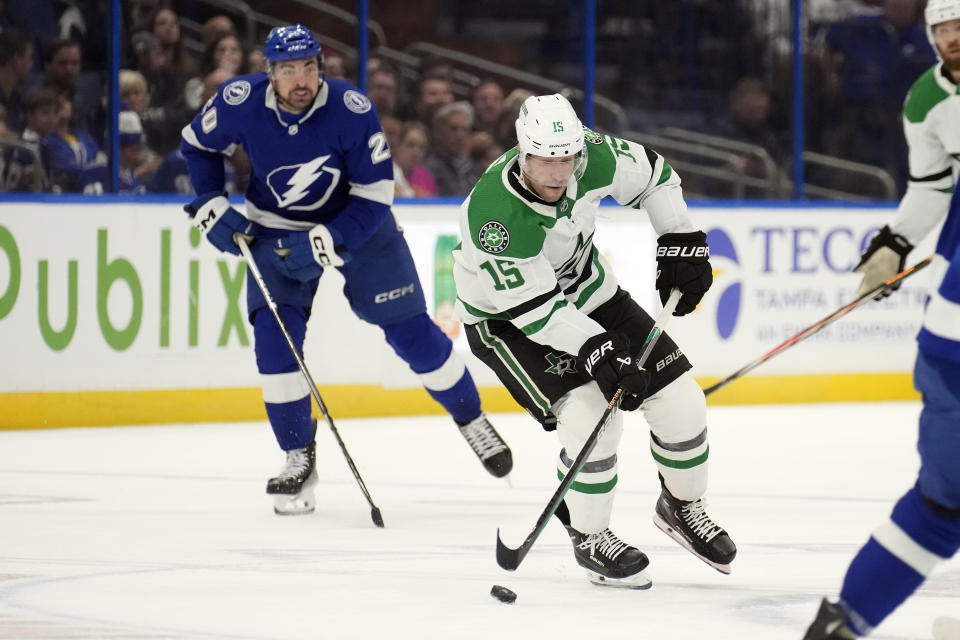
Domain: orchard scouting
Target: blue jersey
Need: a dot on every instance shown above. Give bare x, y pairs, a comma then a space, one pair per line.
940, 333
329, 164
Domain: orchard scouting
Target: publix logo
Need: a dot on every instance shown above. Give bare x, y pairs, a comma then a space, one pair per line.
723, 255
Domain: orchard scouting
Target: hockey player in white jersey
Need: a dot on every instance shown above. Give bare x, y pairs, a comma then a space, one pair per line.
320, 191
923, 529
542, 308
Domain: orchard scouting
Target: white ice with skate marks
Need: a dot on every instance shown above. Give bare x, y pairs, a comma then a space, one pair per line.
166, 532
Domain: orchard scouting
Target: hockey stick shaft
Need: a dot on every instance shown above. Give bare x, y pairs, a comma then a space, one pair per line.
242, 242
817, 326
510, 559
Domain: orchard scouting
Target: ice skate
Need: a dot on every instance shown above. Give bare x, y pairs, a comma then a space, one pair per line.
609, 561
830, 624
687, 522
488, 445
292, 489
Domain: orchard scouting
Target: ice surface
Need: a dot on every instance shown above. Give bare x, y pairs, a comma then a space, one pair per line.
166, 532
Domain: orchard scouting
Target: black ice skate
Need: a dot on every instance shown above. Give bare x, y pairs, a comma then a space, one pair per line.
609, 561
687, 522
488, 445
830, 624
292, 489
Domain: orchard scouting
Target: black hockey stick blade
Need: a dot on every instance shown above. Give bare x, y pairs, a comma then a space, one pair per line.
509, 558
817, 326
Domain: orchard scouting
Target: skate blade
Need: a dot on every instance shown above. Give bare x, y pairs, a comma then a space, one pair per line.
639, 580
683, 542
295, 505
507, 479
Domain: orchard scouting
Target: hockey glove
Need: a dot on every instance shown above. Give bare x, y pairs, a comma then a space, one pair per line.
683, 261
883, 259
606, 357
302, 255
218, 221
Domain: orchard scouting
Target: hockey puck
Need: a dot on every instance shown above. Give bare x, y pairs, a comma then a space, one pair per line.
503, 594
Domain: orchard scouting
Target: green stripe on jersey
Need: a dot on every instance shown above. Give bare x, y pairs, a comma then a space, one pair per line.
589, 291
601, 167
533, 327
924, 95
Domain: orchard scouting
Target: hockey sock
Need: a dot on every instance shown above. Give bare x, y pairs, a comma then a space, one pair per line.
590, 497
896, 560
286, 393
430, 354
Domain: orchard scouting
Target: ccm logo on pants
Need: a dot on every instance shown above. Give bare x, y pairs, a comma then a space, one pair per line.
393, 295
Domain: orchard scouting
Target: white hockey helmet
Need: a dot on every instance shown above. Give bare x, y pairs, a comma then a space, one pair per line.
547, 126
938, 11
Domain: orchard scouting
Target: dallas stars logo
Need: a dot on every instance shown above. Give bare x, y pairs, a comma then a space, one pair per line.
493, 237
560, 364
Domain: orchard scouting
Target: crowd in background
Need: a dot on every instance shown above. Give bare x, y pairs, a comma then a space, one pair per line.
861, 57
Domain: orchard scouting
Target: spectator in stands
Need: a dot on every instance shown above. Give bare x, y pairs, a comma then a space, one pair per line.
449, 161
748, 121
168, 112
82, 21
133, 167
85, 92
16, 61
484, 149
874, 60
172, 175
165, 25
256, 63
437, 68
225, 53
73, 158
135, 97
433, 93
487, 106
392, 128
506, 133
215, 28
410, 178
42, 108
384, 91
335, 66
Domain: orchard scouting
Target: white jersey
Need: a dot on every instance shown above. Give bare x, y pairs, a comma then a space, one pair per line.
931, 124
534, 264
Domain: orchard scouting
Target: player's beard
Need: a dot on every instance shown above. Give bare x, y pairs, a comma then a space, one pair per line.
951, 60
298, 98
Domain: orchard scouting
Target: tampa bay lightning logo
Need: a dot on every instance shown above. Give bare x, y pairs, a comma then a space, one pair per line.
304, 187
236, 92
356, 101
723, 252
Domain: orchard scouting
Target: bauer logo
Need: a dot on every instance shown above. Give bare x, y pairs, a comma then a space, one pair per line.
729, 301
493, 237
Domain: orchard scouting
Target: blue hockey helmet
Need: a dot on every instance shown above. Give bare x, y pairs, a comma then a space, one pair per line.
291, 42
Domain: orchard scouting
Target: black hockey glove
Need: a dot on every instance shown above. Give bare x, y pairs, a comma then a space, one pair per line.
607, 358
883, 259
683, 261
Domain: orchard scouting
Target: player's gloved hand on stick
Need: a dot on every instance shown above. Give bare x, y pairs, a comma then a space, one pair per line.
218, 221
607, 358
884, 258
683, 261
302, 255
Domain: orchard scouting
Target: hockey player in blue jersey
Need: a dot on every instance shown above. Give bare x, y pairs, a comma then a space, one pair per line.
924, 528
320, 192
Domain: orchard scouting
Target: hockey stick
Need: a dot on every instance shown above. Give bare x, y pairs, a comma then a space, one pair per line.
243, 243
510, 559
816, 326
